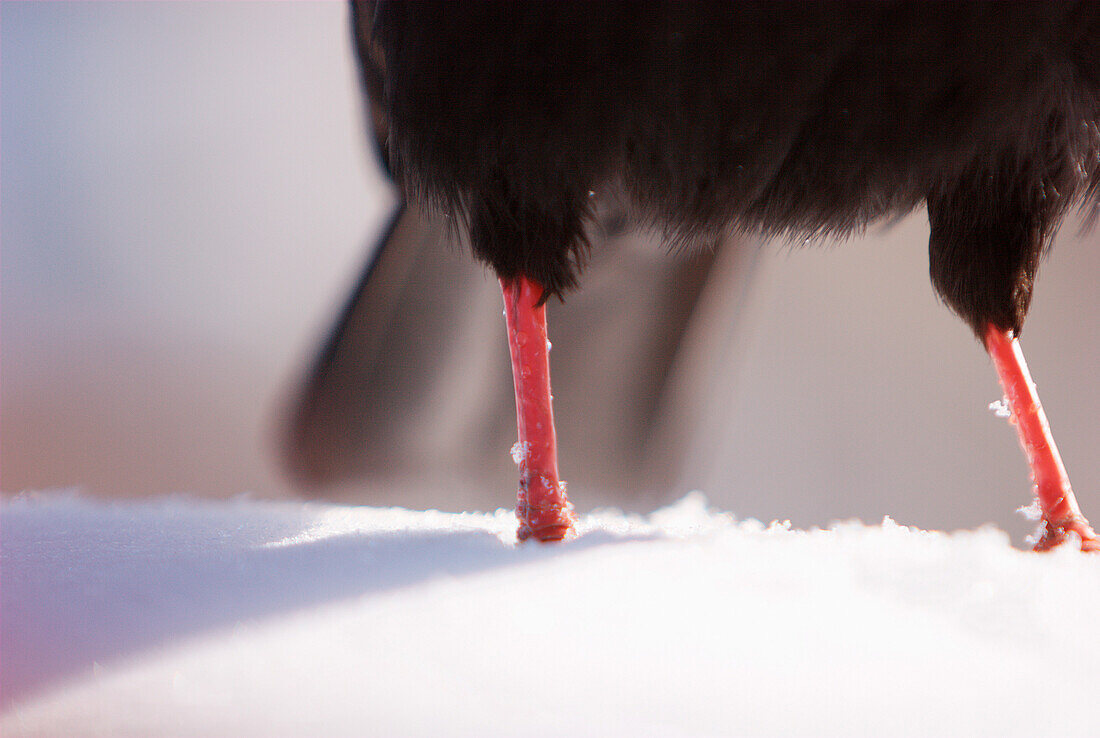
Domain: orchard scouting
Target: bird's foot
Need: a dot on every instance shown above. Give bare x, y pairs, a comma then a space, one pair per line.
1062, 518
1052, 535
549, 521
542, 507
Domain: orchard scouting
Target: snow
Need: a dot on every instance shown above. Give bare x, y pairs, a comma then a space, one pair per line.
519, 451
182, 617
1000, 408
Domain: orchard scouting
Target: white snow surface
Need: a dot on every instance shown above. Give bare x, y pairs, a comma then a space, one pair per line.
182, 617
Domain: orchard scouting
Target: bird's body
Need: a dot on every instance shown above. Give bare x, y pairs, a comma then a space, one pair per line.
514, 119
792, 118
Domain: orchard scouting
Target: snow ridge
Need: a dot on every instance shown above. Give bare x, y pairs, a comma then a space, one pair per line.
185, 617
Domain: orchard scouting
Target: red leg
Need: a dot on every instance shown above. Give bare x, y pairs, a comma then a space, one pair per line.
1060, 512
542, 507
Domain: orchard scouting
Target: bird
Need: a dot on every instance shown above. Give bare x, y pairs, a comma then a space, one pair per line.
517, 122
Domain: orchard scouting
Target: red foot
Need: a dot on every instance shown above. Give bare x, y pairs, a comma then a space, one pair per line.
1061, 516
542, 507
1055, 535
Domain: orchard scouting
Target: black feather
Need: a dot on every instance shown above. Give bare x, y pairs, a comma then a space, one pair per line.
797, 119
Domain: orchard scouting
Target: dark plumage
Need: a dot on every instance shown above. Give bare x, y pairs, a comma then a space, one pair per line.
519, 121
793, 118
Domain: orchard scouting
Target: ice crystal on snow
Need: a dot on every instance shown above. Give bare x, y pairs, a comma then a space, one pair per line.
1031, 512
519, 451
1000, 408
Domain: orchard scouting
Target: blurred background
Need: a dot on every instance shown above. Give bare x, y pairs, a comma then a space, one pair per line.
188, 194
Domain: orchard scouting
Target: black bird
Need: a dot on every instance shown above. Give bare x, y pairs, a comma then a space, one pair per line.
793, 119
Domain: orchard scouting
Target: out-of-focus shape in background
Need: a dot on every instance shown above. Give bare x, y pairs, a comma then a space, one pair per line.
188, 195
